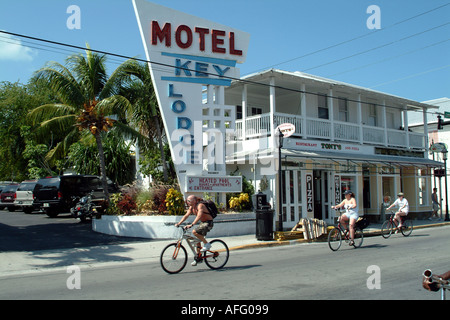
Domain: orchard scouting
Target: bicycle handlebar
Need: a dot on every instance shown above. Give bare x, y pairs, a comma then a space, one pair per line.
432, 278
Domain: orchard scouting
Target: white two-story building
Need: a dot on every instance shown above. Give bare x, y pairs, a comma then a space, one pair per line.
346, 137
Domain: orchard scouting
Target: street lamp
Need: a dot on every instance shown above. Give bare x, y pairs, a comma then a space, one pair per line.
280, 136
444, 155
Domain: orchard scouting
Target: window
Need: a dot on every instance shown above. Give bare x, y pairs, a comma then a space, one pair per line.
238, 112
348, 183
322, 107
422, 184
256, 111
343, 109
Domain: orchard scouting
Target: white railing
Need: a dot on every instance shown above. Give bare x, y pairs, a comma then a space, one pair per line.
318, 128
259, 125
374, 135
346, 131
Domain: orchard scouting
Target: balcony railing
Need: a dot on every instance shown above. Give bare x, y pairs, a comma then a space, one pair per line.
314, 128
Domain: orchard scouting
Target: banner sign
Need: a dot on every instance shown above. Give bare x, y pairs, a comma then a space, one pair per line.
309, 193
213, 184
191, 57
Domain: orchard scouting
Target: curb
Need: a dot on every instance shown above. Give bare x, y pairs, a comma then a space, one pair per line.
275, 243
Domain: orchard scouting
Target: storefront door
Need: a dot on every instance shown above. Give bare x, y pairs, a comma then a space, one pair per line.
292, 197
320, 195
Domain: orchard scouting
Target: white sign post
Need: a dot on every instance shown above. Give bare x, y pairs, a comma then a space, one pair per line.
189, 57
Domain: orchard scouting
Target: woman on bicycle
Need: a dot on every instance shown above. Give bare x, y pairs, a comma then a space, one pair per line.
351, 213
403, 208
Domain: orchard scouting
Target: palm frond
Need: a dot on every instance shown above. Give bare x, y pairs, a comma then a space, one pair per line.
62, 83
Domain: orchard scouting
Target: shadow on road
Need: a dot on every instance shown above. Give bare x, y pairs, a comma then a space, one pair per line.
22, 232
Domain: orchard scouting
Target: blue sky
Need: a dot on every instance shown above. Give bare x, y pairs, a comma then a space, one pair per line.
409, 59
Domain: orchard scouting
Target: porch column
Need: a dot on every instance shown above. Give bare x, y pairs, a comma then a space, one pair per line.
405, 126
272, 111
425, 130
331, 113
303, 110
244, 112
359, 116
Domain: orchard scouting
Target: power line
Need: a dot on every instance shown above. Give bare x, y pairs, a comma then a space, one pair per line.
378, 47
411, 76
245, 81
390, 58
354, 39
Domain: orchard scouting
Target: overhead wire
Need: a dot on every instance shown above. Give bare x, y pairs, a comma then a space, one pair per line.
171, 67
356, 38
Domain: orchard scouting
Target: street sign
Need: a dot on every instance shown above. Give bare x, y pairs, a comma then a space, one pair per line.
446, 115
287, 129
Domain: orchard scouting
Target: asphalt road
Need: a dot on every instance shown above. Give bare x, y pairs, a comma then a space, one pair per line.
37, 231
302, 271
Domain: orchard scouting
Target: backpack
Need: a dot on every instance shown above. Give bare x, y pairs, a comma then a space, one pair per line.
211, 206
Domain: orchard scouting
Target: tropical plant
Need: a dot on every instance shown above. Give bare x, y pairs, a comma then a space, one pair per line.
239, 203
175, 202
120, 164
137, 87
89, 101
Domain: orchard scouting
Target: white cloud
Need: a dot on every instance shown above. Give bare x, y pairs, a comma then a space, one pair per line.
12, 49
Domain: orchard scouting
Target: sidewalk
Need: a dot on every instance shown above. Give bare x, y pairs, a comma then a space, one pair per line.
14, 263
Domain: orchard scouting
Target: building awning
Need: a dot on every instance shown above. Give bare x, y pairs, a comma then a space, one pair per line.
295, 155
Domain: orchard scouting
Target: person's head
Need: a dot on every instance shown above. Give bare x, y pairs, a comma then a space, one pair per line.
191, 200
434, 189
348, 194
400, 195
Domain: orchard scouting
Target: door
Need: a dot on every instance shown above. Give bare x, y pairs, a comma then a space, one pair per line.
320, 194
292, 197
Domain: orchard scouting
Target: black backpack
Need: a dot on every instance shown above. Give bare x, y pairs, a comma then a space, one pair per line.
211, 206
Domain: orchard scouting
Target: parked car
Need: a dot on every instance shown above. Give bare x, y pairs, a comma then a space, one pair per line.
25, 196
55, 195
7, 197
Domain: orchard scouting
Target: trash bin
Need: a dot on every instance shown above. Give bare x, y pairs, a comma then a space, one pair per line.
264, 223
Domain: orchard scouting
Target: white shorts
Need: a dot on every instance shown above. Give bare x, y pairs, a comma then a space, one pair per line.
352, 215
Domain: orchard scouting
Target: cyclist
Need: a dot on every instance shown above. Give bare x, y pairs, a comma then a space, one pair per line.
351, 214
403, 208
206, 221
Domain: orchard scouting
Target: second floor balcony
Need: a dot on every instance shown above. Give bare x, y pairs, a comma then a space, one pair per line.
324, 109
312, 128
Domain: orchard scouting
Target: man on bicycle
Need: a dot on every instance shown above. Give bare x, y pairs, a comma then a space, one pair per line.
403, 208
202, 215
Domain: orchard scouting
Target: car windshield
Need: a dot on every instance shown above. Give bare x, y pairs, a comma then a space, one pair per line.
26, 186
9, 189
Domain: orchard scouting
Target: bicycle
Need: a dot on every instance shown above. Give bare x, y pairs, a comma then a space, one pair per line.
338, 233
174, 256
389, 225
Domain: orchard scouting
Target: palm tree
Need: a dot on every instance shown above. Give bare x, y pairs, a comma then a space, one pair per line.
89, 100
136, 82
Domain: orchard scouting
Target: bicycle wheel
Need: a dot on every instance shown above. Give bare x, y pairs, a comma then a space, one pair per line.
386, 229
359, 238
407, 227
173, 258
335, 239
217, 256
